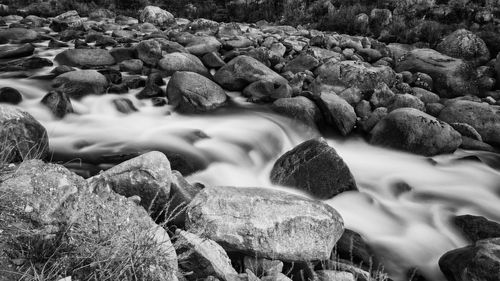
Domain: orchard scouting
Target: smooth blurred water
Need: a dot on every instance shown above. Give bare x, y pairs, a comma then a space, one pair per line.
405, 201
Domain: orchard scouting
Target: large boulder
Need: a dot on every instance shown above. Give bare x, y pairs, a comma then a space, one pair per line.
315, 167
192, 92
481, 116
477, 228
480, 262
156, 16
465, 45
244, 70
452, 77
22, 137
79, 83
50, 217
265, 223
85, 57
415, 131
147, 176
346, 74
170, 63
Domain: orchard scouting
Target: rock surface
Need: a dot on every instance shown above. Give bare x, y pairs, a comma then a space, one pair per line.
315, 167
481, 116
21, 136
480, 261
192, 92
147, 176
451, 77
412, 130
85, 57
265, 223
244, 70
79, 83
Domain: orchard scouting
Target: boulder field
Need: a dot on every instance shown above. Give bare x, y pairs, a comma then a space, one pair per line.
145, 219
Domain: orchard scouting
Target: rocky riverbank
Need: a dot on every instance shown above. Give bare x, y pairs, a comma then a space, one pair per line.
141, 219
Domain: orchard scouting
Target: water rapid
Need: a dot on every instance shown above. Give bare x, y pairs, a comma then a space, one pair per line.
405, 201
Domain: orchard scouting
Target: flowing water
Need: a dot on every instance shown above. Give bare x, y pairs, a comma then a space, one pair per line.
405, 201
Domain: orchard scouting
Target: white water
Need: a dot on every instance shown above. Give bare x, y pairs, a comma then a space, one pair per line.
407, 227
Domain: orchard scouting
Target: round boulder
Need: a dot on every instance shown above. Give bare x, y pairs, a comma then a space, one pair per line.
415, 131
192, 92
465, 45
79, 83
315, 167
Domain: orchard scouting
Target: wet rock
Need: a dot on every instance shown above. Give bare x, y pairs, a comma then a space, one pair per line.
79, 83
266, 91
346, 74
298, 108
23, 137
149, 51
112, 75
133, 66
58, 103
8, 52
43, 198
10, 95
265, 223
24, 64
134, 81
156, 16
124, 105
85, 57
244, 70
451, 77
477, 228
150, 91
315, 167
55, 44
465, 45
170, 63
481, 116
192, 92
412, 130
480, 261
147, 176
17, 35
352, 247
203, 257
301, 63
